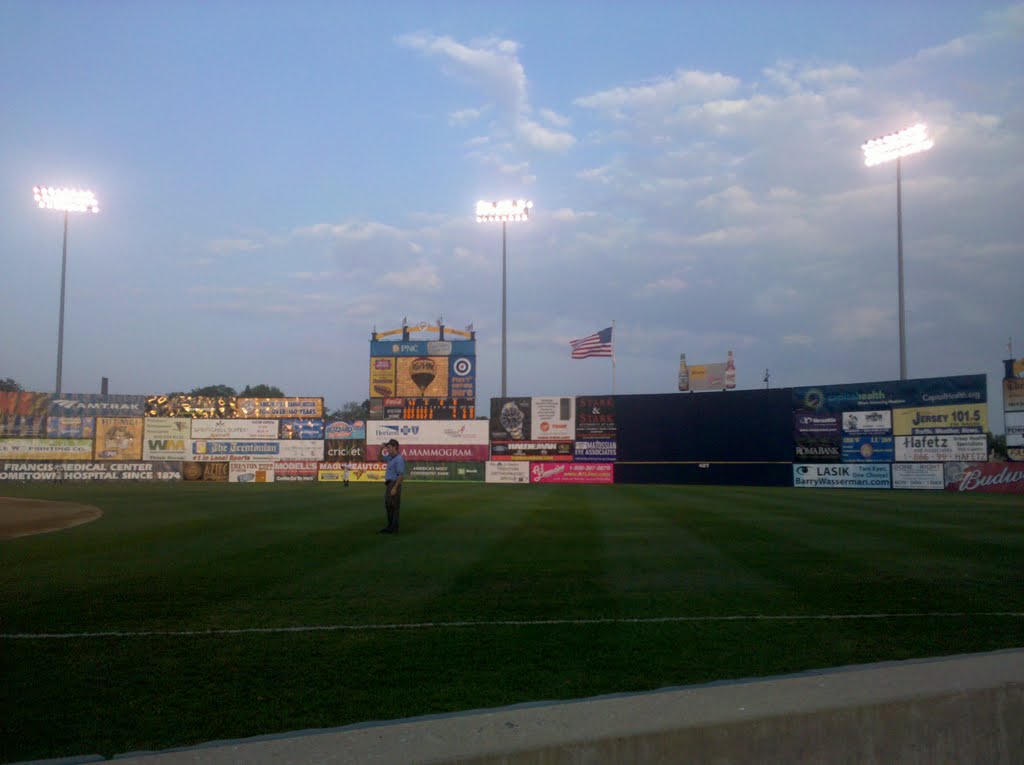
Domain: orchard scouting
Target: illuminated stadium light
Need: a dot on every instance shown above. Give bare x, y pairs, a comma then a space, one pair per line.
66, 201
895, 145
912, 140
504, 210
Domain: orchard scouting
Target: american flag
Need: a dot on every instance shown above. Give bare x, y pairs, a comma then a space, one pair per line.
597, 344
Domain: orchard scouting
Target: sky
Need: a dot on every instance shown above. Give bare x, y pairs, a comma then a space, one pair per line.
276, 180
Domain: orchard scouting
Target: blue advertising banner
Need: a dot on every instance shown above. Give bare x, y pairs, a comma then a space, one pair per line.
302, 429
22, 425
594, 450
380, 348
77, 404
343, 430
868, 449
71, 427
462, 377
932, 391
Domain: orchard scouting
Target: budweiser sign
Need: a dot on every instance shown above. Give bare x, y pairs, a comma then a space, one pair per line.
985, 476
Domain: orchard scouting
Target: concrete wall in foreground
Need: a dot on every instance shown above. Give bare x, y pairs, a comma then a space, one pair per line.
964, 709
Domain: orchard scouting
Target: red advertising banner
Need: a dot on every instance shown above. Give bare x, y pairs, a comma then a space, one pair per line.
1002, 477
295, 470
572, 472
436, 452
23, 402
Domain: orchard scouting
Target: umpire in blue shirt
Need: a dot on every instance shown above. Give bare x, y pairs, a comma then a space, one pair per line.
392, 455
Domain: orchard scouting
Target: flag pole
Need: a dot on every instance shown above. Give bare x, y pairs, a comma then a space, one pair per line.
613, 357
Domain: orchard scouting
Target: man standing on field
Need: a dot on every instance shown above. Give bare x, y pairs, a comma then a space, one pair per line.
391, 453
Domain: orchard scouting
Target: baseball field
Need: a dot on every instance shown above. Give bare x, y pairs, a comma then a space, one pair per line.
171, 614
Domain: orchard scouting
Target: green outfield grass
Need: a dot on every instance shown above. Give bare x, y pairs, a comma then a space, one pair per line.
181, 558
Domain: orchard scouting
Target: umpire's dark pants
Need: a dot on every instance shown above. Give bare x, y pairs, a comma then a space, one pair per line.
392, 504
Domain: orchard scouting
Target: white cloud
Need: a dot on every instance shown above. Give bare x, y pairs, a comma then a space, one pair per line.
682, 87
553, 118
232, 246
422, 277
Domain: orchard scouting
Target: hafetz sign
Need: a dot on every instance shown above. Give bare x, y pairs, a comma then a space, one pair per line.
235, 429
866, 476
1001, 477
167, 438
966, 448
940, 420
553, 418
917, 475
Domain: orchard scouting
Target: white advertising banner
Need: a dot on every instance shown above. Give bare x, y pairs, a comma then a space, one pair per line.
45, 448
287, 449
167, 438
249, 471
507, 472
1014, 428
426, 432
917, 475
233, 430
866, 475
553, 418
300, 450
964, 448
878, 422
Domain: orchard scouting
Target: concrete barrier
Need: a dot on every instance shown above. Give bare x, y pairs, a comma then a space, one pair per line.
961, 709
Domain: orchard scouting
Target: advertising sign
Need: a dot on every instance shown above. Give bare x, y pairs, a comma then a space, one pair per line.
422, 348
868, 476
217, 451
90, 471
873, 421
940, 420
23, 425
445, 471
362, 472
290, 471
115, 405
383, 377
553, 418
704, 377
279, 408
197, 407
816, 425
571, 473
231, 430
868, 449
342, 430
595, 417
423, 376
1014, 422
344, 451
594, 450
548, 451
818, 450
422, 409
244, 471
507, 472
932, 391
71, 427
917, 475
1013, 395
436, 452
303, 430
409, 432
1000, 477
45, 449
23, 402
167, 438
462, 377
969, 448
119, 438
205, 471
305, 449
510, 419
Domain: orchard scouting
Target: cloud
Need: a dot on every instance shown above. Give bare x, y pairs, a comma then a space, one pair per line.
492, 66
465, 116
421, 277
682, 87
233, 246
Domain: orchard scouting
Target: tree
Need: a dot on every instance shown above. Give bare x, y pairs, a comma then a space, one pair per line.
213, 390
262, 391
352, 410
8, 385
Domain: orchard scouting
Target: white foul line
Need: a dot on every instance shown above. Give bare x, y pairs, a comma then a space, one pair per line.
214, 631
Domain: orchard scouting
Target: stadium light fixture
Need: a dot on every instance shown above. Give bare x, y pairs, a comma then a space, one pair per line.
66, 201
912, 140
504, 210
